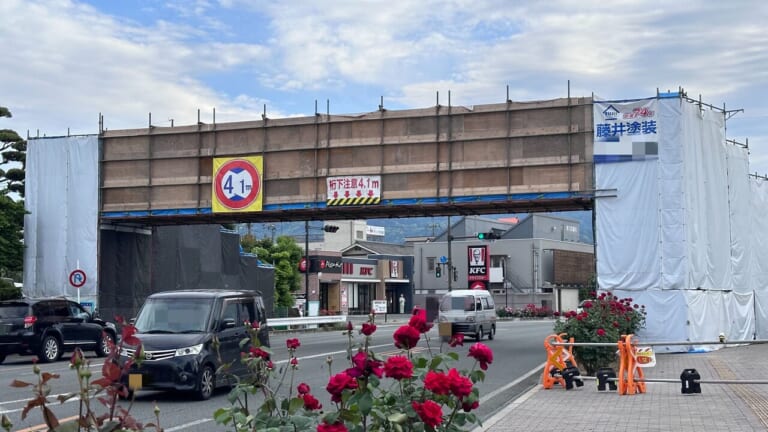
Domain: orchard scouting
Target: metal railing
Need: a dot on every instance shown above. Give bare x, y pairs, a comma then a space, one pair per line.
312, 320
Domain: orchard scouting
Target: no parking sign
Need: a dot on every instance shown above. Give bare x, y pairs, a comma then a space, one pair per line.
77, 278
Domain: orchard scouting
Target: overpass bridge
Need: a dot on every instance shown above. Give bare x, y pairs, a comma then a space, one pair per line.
445, 160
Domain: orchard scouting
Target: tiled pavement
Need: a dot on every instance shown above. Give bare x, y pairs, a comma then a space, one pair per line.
663, 407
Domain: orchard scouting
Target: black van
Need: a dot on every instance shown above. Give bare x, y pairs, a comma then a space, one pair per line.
177, 329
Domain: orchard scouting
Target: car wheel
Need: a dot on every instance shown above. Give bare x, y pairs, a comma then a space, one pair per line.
50, 351
479, 334
206, 383
103, 348
2, 358
491, 333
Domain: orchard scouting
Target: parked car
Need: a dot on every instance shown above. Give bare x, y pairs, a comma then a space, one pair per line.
471, 312
177, 330
47, 327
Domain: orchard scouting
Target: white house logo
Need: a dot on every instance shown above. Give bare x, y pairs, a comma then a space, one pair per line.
611, 113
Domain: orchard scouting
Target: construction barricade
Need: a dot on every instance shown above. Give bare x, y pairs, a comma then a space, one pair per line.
561, 366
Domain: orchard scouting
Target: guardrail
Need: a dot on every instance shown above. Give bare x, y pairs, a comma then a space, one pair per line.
311, 320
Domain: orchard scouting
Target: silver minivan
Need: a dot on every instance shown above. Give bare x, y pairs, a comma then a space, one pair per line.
471, 312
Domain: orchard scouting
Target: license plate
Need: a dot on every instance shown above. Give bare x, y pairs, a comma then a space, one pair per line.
135, 381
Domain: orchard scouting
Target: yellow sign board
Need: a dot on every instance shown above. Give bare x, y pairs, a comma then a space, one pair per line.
237, 184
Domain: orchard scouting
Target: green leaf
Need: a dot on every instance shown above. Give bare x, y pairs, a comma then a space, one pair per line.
435, 363
295, 404
70, 426
365, 403
222, 416
398, 418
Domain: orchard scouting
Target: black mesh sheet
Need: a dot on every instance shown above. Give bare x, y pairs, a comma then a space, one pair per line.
135, 264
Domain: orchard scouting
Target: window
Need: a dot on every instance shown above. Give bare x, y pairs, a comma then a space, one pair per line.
59, 309
240, 311
431, 263
359, 235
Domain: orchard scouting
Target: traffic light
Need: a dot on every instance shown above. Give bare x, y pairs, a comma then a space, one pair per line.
487, 236
437, 271
330, 228
455, 275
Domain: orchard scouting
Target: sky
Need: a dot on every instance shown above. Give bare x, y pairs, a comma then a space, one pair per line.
65, 62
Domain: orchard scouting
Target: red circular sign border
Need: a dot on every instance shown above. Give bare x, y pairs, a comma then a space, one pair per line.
72, 275
237, 163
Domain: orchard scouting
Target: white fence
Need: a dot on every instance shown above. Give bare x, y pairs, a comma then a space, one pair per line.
314, 320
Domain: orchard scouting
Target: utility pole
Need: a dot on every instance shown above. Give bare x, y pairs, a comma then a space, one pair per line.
450, 260
306, 269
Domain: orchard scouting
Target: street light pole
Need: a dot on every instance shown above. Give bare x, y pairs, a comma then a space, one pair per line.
306, 268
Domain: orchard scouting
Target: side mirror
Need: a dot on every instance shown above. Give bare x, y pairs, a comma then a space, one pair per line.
227, 323
132, 321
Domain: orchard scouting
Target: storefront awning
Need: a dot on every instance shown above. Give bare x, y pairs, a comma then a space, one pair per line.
360, 280
397, 281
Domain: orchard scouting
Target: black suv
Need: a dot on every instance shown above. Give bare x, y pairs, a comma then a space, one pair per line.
49, 326
177, 330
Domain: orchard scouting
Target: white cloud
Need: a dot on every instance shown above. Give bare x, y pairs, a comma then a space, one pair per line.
71, 61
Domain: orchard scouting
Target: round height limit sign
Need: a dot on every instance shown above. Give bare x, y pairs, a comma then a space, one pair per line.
237, 184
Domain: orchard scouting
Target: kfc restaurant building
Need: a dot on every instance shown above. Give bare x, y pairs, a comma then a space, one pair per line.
348, 286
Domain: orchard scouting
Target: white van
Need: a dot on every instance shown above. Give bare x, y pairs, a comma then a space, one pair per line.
471, 312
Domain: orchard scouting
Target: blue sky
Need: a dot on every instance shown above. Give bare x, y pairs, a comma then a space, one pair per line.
66, 61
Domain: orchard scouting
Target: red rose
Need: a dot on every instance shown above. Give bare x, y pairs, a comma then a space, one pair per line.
457, 340
303, 388
363, 366
419, 322
258, 352
292, 343
482, 354
437, 382
294, 361
398, 367
338, 383
429, 412
349, 326
368, 329
335, 427
467, 406
310, 402
461, 386
406, 337
600, 332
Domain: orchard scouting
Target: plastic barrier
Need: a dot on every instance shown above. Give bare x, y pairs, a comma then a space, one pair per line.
561, 367
630, 379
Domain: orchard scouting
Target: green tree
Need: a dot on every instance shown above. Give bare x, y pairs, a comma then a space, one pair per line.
13, 150
284, 254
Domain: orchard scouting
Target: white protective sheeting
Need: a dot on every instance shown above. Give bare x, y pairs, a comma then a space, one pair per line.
706, 198
708, 272
740, 211
627, 236
758, 266
60, 231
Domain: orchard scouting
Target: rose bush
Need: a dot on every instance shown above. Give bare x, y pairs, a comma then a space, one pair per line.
104, 391
604, 319
404, 392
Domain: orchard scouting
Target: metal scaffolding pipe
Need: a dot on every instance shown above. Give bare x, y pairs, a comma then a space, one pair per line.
677, 381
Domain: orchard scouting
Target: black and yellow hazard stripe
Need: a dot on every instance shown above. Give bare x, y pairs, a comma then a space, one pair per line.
352, 201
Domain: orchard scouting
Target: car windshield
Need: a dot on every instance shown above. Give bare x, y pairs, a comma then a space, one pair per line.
461, 303
173, 315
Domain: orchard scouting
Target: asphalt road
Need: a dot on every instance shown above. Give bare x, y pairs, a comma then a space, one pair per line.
518, 359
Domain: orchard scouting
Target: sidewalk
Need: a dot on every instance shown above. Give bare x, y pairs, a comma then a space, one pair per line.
719, 407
